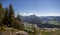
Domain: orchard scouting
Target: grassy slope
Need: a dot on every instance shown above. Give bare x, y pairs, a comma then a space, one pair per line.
57, 32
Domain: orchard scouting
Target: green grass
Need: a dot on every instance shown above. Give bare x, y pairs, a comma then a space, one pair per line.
45, 33
57, 32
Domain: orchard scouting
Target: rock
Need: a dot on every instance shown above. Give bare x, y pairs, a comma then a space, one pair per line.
21, 33
13, 33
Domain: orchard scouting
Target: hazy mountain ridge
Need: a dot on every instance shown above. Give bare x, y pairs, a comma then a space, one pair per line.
44, 21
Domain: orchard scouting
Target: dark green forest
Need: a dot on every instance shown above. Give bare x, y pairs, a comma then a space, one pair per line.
7, 18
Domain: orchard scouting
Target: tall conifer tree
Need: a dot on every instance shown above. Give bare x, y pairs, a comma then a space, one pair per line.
1, 14
5, 20
11, 15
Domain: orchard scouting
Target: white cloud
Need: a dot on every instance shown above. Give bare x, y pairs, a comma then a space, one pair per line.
51, 14
40, 14
26, 14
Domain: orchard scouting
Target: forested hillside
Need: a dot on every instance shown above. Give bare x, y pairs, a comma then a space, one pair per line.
11, 24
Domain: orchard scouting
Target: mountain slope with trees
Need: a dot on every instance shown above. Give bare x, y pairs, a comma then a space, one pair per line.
11, 24
7, 18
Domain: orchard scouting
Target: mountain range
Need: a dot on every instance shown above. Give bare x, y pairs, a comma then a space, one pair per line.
43, 21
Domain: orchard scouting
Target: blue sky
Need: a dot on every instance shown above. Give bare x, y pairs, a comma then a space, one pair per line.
37, 7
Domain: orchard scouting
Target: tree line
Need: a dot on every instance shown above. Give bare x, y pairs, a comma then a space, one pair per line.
7, 18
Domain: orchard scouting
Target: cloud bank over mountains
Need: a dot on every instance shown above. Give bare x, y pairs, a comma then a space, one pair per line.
40, 14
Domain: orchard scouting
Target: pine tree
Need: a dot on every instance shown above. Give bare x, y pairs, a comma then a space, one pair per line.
19, 18
0, 5
5, 20
11, 15
20, 25
1, 14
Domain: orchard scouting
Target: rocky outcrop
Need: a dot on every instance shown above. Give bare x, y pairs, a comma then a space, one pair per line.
14, 33
11, 31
